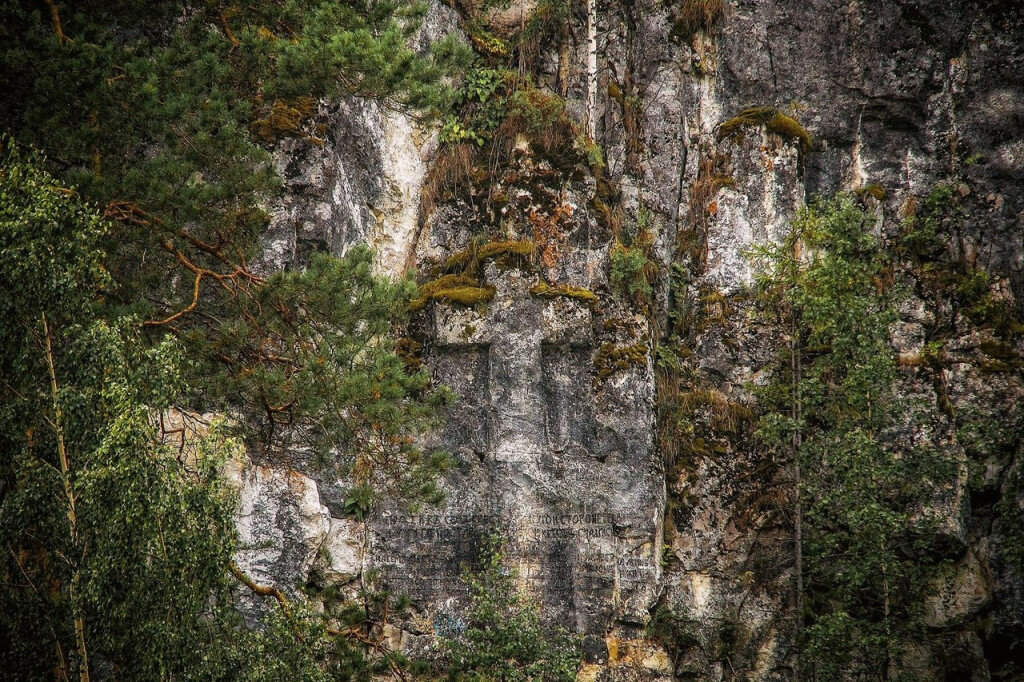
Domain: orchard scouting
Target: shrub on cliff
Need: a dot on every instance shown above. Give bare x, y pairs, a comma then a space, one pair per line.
503, 638
834, 412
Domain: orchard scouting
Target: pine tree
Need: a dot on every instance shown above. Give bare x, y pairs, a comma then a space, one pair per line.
115, 547
164, 116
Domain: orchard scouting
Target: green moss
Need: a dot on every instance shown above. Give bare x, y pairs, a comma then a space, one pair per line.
772, 119
999, 366
457, 288
875, 190
605, 214
464, 285
470, 258
464, 295
284, 118
611, 358
606, 191
523, 248
620, 324
459, 260
545, 290
998, 350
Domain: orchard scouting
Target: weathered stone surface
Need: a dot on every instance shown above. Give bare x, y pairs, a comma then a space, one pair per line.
564, 470
755, 210
340, 559
281, 527
962, 592
563, 461
360, 185
355, 179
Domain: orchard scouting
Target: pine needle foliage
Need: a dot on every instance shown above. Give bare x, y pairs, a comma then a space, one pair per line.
161, 112
307, 362
164, 116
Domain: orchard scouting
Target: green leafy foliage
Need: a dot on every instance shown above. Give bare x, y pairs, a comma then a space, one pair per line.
503, 638
833, 405
114, 545
167, 129
480, 101
633, 268
495, 105
115, 542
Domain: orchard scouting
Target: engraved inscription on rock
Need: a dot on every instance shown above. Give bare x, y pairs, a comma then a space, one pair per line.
567, 473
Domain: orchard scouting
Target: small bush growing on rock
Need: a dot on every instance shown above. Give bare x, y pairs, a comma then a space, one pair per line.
633, 271
504, 637
698, 15
451, 175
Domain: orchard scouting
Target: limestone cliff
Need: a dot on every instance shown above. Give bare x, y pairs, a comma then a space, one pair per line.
556, 433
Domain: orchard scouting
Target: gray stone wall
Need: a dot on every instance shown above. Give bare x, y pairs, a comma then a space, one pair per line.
562, 460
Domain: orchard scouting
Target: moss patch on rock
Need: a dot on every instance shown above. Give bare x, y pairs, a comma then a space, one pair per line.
545, 290
772, 119
454, 288
611, 358
469, 259
873, 190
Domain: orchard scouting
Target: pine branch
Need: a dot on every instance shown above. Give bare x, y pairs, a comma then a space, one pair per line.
55, 22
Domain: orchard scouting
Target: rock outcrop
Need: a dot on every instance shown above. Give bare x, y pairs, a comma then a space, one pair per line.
555, 432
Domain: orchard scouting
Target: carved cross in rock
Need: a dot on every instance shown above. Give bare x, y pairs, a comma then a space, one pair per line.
534, 405
569, 479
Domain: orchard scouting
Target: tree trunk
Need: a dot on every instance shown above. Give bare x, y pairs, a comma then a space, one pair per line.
630, 96
591, 119
563, 60
798, 540
58, 426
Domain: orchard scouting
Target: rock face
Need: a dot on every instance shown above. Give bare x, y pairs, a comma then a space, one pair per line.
560, 465
555, 433
359, 185
281, 526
